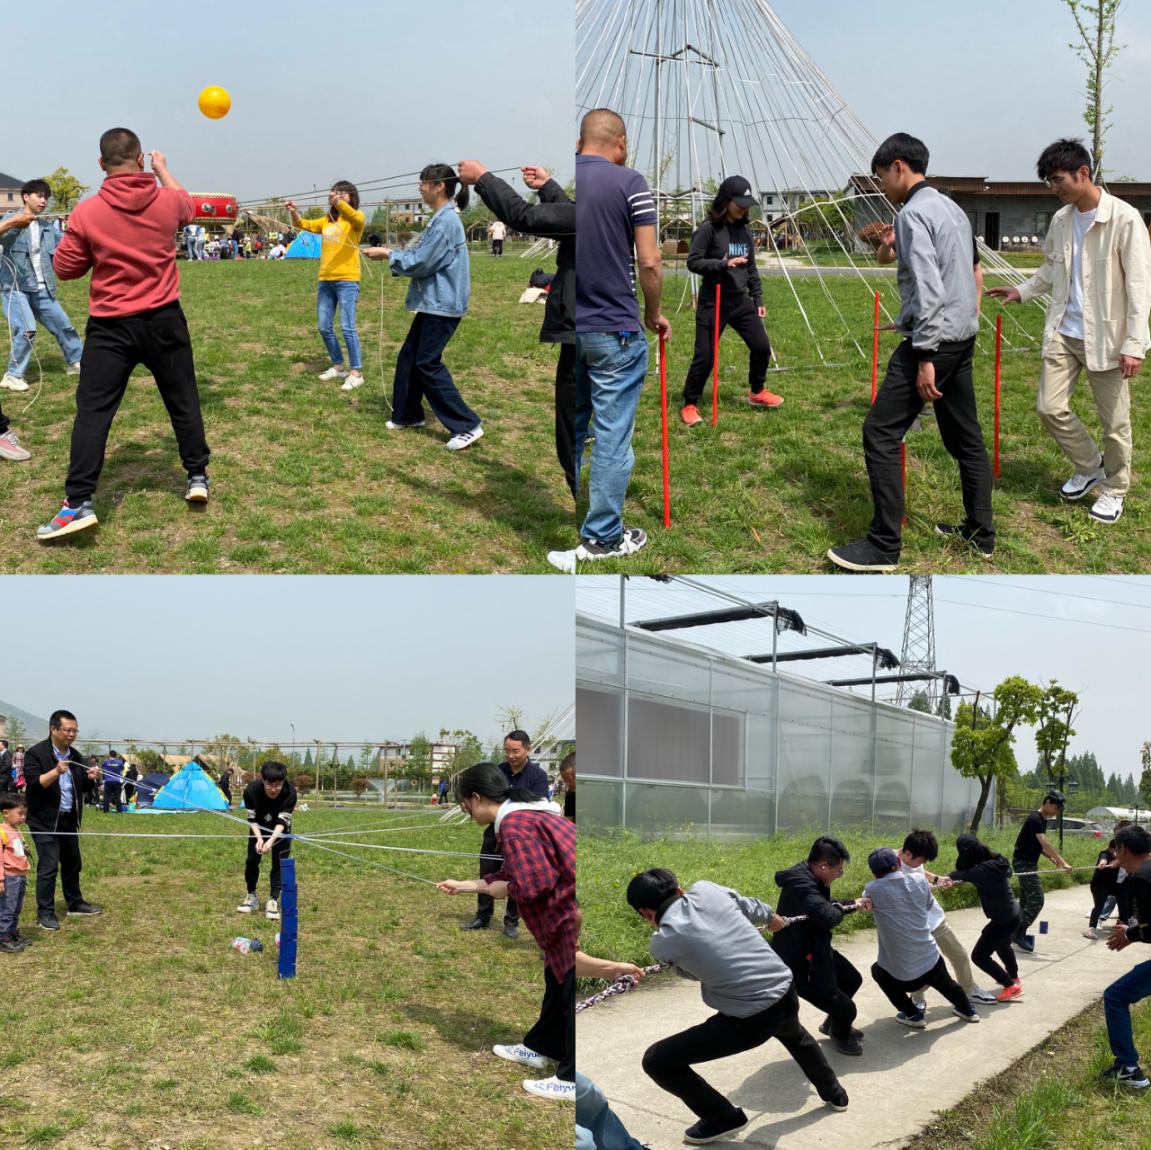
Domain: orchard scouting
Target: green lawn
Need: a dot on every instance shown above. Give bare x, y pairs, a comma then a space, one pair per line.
305, 478
771, 490
142, 1029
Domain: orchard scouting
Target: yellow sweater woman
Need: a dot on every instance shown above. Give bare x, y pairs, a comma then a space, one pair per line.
339, 286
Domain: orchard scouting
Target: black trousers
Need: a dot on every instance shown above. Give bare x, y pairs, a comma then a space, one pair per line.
565, 414
159, 340
58, 853
280, 849
669, 1062
742, 318
835, 996
554, 1035
937, 978
1099, 898
896, 407
995, 938
111, 796
485, 904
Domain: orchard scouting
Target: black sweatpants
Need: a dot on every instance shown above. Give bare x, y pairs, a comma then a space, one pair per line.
896, 407
554, 1035
280, 849
485, 904
159, 340
834, 996
995, 938
937, 978
669, 1062
742, 317
565, 414
58, 853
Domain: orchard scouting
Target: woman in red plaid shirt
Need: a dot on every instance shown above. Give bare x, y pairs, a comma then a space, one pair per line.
538, 848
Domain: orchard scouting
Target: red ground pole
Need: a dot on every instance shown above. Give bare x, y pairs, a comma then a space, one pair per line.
875, 350
663, 418
715, 365
998, 367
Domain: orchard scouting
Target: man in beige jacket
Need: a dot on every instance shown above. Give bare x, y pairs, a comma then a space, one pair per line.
1097, 267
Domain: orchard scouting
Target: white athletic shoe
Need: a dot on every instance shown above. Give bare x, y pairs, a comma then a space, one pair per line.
552, 1087
978, 994
251, 903
522, 1054
272, 909
465, 439
333, 372
352, 382
72, 368
1107, 509
13, 383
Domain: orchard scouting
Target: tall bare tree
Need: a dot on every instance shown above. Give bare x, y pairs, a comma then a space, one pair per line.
1097, 49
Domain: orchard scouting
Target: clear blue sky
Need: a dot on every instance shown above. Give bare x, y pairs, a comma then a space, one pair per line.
1091, 633
342, 658
356, 90
987, 83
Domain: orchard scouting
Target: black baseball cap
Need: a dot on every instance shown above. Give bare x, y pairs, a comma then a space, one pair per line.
882, 861
737, 190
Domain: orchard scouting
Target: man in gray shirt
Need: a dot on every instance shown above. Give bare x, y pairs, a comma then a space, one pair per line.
938, 317
908, 956
709, 934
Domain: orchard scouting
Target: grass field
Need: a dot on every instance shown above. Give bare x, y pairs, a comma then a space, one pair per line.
611, 929
771, 490
305, 478
142, 1030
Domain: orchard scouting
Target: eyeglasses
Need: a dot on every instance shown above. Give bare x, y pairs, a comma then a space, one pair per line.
1056, 181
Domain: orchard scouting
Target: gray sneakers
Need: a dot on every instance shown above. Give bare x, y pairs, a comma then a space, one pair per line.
250, 905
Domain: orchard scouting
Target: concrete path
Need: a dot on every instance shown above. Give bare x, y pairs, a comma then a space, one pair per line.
903, 1077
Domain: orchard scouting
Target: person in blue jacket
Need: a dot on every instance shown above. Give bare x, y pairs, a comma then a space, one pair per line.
440, 271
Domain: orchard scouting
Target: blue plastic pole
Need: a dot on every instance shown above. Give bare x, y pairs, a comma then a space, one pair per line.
289, 921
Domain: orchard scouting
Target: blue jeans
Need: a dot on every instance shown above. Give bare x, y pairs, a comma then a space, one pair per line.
1117, 1000
609, 372
422, 374
597, 1127
13, 903
22, 311
341, 294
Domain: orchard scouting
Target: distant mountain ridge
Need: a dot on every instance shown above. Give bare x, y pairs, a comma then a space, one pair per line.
35, 726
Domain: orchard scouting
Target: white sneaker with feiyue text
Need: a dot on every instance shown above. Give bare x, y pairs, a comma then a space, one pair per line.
521, 1054
632, 540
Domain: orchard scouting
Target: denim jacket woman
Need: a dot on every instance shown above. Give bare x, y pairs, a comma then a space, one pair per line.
438, 266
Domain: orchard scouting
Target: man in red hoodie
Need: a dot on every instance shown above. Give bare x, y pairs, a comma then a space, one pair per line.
126, 236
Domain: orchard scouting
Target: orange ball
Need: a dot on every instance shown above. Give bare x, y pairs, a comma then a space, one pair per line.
215, 103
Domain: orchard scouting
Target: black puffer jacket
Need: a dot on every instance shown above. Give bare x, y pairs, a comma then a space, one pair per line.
806, 946
552, 218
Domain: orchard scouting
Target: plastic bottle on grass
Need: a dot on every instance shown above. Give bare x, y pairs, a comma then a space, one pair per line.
247, 945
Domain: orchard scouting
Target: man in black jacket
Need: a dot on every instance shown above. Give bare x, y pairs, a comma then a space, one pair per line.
552, 218
521, 771
822, 975
7, 782
57, 781
1133, 850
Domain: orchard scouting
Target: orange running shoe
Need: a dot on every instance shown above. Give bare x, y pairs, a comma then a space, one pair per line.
1009, 992
690, 415
765, 398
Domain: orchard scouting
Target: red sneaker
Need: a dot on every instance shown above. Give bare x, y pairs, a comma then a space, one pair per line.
690, 415
765, 398
1009, 992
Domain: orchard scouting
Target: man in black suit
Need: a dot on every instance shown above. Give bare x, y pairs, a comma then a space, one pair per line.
57, 781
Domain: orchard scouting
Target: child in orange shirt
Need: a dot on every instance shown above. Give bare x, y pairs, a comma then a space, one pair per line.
14, 862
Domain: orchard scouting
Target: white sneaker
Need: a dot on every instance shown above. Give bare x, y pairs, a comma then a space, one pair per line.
353, 381
72, 368
631, 541
522, 1054
978, 994
552, 1087
13, 383
251, 903
464, 439
1091, 933
972, 1017
1078, 485
271, 909
1107, 508
391, 425
333, 372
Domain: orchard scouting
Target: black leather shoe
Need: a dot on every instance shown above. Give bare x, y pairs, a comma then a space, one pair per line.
477, 923
88, 908
512, 929
48, 921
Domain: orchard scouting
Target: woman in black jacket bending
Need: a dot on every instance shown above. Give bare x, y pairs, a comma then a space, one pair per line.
723, 253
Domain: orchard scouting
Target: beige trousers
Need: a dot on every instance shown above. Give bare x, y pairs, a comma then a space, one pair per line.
1063, 361
952, 950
